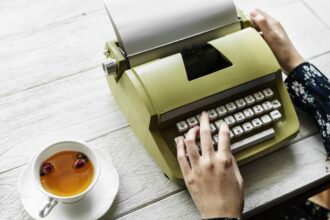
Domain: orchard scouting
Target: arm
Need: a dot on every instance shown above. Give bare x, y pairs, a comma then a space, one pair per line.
308, 87
277, 39
212, 178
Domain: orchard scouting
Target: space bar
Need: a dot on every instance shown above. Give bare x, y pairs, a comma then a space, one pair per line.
252, 140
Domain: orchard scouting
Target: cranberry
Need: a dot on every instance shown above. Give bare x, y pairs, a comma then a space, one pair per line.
79, 163
46, 168
82, 156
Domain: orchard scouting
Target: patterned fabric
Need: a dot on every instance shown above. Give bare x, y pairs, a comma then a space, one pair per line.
310, 91
300, 211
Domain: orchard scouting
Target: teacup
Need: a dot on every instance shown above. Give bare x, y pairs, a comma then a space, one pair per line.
51, 150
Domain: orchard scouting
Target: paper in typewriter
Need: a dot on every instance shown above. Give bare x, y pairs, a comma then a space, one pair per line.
142, 25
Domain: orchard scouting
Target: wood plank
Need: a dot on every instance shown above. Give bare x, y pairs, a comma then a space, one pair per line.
307, 32
141, 181
323, 64
250, 5
10, 202
288, 170
32, 15
320, 9
72, 45
65, 48
79, 107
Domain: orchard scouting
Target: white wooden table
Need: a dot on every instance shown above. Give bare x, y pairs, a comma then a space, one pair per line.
52, 86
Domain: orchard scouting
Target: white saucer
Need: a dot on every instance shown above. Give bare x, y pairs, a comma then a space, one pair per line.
96, 203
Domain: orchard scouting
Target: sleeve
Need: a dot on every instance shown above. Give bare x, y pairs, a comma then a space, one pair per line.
310, 91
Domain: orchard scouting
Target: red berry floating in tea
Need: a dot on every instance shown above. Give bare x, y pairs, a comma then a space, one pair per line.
79, 163
46, 168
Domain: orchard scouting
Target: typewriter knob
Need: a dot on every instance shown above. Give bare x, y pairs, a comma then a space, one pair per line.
110, 66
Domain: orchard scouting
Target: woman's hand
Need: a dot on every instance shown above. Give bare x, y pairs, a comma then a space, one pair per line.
277, 39
212, 178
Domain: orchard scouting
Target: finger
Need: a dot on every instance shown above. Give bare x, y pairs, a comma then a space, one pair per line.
237, 172
205, 135
181, 155
266, 15
224, 140
192, 149
260, 20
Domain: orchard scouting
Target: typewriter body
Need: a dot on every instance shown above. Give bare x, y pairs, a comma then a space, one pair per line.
163, 77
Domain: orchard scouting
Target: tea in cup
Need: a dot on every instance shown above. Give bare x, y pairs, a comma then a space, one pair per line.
65, 172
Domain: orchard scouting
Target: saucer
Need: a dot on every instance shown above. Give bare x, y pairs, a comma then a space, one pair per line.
93, 206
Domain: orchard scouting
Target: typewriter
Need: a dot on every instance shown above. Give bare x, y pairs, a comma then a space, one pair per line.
171, 60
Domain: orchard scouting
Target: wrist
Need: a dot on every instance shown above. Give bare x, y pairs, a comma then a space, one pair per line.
292, 62
222, 218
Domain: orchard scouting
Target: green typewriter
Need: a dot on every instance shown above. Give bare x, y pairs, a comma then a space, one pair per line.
174, 59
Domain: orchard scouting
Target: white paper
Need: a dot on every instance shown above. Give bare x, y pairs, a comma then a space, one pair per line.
142, 25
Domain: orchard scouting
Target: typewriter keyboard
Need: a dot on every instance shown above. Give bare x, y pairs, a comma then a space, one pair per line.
249, 118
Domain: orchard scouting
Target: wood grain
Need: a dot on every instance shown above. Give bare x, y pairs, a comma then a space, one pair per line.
71, 44
307, 32
69, 47
32, 15
320, 9
141, 180
79, 107
270, 178
52, 88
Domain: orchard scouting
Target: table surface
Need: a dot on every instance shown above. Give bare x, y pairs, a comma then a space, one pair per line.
52, 86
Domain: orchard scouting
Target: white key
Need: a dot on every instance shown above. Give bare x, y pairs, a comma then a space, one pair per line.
199, 117
239, 117
192, 122
250, 100
212, 114
198, 144
268, 92
266, 119
231, 107
248, 113
257, 123
222, 111
275, 115
276, 104
182, 126
216, 138
230, 120
240, 103
213, 128
218, 123
231, 134
253, 140
248, 127
238, 131
259, 96
267, 106
258, 110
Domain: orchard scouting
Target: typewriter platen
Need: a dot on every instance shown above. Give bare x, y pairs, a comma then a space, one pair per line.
171, 61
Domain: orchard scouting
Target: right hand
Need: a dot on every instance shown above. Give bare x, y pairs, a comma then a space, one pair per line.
212, 178
277, 39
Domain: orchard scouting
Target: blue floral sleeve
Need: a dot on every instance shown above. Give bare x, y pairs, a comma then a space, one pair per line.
310, 91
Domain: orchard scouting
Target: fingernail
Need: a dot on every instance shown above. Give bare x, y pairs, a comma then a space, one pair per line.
254, 13
178, 140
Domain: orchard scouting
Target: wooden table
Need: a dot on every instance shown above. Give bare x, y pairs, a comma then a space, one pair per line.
52, 86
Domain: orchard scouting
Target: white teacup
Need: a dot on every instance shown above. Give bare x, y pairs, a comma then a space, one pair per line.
51, 150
